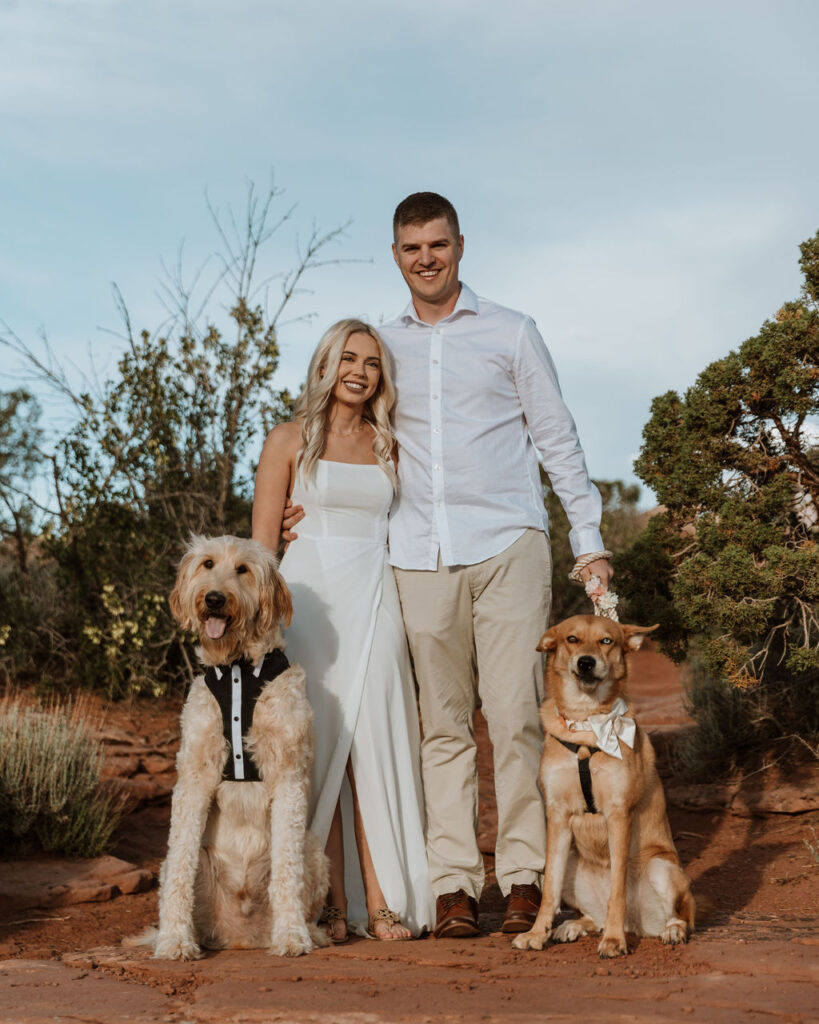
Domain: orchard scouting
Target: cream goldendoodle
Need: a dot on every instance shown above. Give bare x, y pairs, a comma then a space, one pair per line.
242, 870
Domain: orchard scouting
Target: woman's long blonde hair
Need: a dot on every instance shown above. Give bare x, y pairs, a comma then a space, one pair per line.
313, 405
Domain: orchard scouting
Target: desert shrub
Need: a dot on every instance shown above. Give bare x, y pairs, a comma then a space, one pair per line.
725, 732
50, 791
20, 457
165, 446
732, 564
32, 619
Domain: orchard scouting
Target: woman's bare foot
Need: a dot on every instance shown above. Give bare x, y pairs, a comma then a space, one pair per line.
386, 925
334, 921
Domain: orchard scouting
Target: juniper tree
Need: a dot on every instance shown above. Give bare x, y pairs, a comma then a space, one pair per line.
733, 560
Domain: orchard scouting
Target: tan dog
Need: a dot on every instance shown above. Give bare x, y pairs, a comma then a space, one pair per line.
618, 866
242, 870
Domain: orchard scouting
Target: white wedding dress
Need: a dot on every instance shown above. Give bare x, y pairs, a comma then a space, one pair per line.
348, 635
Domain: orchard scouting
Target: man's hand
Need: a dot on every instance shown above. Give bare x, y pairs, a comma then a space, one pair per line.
602, 569
293, 514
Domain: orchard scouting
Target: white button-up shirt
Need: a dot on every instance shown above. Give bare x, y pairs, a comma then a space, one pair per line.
478, 399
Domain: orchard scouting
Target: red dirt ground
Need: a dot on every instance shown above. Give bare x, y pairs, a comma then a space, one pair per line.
753, 959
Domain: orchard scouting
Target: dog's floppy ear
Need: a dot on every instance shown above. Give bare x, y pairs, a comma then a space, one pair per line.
548, 641
175, 600
634, 635
275, 602
282, 601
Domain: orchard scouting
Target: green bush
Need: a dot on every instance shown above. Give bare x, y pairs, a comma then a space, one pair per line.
50, 790
732, 563
725, 729
163, 447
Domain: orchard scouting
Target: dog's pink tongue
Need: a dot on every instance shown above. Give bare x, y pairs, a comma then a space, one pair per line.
214, 627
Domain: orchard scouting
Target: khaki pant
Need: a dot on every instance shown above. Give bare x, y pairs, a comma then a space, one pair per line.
481, 621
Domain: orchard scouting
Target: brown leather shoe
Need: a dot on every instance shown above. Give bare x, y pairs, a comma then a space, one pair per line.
456, 916
521, 908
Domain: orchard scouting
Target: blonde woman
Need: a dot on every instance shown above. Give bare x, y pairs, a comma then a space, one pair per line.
336, 460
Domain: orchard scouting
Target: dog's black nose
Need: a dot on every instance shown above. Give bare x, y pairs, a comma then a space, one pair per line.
586, 664
215, 600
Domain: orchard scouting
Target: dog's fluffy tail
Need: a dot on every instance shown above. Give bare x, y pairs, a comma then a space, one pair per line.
147, 937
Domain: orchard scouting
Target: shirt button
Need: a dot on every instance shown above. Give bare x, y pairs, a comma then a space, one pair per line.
434, 362
436, 466
435, 398
436, 430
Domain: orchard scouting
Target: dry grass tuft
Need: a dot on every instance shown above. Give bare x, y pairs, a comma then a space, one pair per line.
50, 791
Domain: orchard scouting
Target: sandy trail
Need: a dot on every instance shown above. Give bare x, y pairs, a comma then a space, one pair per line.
754, 959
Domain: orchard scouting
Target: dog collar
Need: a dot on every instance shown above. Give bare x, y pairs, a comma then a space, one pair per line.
236, 688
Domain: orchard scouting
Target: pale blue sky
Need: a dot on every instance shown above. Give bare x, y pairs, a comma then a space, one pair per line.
636, 175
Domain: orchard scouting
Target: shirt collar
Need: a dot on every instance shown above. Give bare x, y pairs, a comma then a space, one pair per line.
467, 303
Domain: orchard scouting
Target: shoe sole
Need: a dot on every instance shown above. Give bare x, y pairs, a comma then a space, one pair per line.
516, 925
457, 930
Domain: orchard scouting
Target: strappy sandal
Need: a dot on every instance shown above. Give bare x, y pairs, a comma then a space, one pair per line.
330, 916
388, 917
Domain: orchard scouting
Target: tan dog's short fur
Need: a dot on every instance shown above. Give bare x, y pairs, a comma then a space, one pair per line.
242, 870
618, 867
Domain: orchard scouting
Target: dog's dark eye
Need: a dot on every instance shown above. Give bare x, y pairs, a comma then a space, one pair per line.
240, 569
208, 563
572, 639
606, 640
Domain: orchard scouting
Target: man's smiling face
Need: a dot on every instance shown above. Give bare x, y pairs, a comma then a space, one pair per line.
428, 256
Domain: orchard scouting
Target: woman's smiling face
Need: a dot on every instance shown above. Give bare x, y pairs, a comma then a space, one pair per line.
359, 370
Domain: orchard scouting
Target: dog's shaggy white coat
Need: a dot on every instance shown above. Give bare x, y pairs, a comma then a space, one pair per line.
242, 870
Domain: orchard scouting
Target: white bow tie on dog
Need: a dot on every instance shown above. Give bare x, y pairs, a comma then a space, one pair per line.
610, 729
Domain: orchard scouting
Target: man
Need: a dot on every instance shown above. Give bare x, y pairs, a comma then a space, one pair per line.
478, 399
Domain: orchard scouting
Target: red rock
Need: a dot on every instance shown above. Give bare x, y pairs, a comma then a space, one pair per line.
120, 765
138, 880
142, 789
158, 764
46, 882
78, 892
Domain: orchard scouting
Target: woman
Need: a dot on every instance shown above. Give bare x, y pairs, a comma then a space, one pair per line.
337, 461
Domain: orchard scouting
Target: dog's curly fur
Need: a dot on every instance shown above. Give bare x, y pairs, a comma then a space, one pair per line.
242, 870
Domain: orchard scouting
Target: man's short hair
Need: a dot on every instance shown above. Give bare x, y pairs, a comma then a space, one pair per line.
421, 208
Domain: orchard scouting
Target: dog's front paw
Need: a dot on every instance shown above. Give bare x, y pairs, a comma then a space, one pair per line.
174, 947
611, 946
674, 933
570, 931
531, 940
319, 936
293, 941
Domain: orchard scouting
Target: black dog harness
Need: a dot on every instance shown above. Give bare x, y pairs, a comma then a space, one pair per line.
584, 768
236, 688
